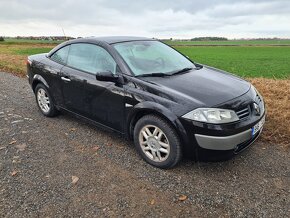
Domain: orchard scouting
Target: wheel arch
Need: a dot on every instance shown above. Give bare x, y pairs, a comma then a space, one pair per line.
38, 79
153, 108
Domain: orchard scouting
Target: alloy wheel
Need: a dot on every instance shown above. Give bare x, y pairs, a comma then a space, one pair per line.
154, 143
43, 100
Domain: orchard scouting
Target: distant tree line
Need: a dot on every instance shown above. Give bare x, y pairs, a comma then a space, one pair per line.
209, 39
265, 39
50, 38
1, 39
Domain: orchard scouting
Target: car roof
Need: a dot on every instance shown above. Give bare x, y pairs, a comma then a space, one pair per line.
100, 40
115, 39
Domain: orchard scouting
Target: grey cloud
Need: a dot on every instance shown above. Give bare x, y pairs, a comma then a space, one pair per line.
93, 9
178, 5
153, 17
250, 9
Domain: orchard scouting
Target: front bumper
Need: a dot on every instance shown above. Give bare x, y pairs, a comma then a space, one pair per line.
235, 143
219, 145
223, 142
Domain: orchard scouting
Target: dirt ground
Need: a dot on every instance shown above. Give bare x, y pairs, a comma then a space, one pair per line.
55, 167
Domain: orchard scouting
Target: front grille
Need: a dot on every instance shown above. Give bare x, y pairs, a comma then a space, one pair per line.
243, 113
259, 99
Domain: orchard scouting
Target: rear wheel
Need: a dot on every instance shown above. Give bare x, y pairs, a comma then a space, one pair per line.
44, 101
157, 142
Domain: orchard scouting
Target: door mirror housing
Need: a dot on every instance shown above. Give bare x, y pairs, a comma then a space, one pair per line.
107, 76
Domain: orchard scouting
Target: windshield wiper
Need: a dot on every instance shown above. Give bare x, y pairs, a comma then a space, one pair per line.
165, 74
181, 71
153, 75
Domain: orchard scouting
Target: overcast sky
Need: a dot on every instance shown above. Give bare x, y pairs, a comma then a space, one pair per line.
151, 18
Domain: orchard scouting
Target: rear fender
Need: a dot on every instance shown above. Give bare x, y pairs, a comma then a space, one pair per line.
36, 79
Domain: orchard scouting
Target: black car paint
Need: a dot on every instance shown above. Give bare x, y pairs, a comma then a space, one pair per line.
119, 105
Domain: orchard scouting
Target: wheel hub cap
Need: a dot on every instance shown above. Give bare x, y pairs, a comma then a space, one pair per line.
154, 143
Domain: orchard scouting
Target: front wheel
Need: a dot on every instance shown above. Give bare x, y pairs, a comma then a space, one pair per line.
157, 142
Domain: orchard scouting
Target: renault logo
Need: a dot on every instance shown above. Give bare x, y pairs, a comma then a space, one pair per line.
257, 109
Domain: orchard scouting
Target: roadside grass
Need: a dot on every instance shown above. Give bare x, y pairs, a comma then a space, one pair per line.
276, 94
7, 64
272, 63
245, 61
13, 56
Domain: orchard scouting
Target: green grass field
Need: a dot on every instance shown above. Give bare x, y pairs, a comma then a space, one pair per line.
268, 62
233, 42
31, 51
246, 61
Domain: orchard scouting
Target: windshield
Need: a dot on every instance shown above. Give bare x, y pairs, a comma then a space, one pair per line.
152, 57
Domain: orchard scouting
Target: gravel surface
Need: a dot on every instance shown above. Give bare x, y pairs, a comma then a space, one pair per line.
63, 166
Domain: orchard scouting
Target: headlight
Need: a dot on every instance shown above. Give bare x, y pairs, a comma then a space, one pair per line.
212, 115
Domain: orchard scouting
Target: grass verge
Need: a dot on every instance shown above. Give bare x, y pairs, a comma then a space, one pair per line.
276, 94
13, 56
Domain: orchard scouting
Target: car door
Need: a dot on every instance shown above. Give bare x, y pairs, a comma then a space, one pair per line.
83, 94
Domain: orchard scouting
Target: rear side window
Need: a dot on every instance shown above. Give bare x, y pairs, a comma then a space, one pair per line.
90, 58
60, 55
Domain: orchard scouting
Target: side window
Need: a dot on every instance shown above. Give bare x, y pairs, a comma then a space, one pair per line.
61, 55
90, 58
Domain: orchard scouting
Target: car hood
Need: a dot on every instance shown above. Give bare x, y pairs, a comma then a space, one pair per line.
204, 87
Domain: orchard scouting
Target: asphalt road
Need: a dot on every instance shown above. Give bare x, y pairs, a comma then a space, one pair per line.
62, 166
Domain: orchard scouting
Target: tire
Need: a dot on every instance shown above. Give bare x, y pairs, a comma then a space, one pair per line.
43, 98
163, 138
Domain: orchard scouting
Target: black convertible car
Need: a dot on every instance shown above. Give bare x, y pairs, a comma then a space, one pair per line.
149, 92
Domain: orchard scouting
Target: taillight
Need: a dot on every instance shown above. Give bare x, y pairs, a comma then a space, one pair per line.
28, 62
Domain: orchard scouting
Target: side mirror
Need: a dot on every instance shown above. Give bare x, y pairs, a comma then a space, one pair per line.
107, 76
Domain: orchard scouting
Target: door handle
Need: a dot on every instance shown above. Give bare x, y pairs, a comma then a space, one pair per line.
65, 79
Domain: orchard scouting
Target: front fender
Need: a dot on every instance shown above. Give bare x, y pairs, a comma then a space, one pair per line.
148, 107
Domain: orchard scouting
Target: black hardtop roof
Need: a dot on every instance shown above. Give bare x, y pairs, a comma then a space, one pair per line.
114, 39
100, 40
